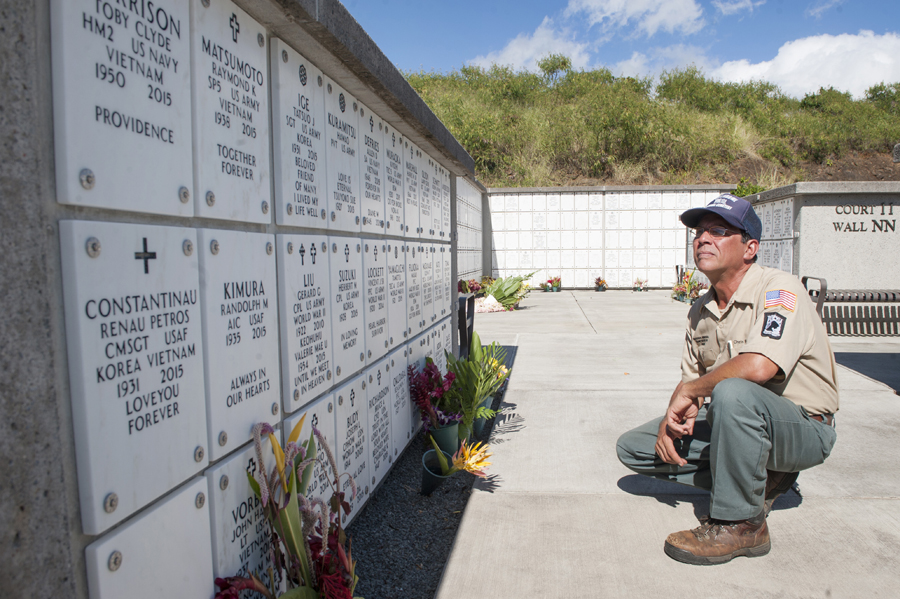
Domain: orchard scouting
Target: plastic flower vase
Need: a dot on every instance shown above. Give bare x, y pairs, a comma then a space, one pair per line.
447, 437
431, 471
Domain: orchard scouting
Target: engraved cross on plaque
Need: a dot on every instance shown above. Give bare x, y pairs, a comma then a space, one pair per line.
312, 252
315, 420
352, 397
376, 253
145, 256
393, 140
379, 378
235, 26
302, 252
347, 252
371, 125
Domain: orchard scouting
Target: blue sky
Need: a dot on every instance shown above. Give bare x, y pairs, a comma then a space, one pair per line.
800, 45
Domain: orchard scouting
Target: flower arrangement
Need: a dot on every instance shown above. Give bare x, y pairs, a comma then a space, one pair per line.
311, 552
552, 283
478, 376
426, 389
469, 458
638, 284
688, 289
600, 283
470, 286
507, 292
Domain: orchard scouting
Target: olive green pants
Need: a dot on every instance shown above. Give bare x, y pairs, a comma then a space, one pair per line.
743, 431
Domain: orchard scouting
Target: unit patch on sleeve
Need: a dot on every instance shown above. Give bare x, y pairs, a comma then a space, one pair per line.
774, 325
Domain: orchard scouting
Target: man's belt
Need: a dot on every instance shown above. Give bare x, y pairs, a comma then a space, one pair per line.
826, 418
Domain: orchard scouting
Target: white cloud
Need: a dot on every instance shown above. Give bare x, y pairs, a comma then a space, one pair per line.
658, 59
822, 7
730, 7
525, 50
649, 16
846, 62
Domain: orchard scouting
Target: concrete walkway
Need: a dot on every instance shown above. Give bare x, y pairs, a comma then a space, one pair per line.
561, 517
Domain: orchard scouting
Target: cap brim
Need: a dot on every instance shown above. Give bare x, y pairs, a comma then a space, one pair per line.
691, 218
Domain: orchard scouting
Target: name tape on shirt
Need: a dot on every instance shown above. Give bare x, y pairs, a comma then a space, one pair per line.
780, 297
774, 325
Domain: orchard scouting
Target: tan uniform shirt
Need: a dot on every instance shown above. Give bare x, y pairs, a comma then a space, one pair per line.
769, 314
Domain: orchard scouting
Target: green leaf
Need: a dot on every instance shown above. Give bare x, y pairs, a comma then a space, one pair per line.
307, 473
442, 459
475, 351
300, 593
253, 484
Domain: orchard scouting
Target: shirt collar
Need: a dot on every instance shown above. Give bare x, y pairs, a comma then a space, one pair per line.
745, 293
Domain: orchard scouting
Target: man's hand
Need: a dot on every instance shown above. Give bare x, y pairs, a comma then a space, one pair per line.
679, 421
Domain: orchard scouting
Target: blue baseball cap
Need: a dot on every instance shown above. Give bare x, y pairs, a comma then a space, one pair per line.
736, 211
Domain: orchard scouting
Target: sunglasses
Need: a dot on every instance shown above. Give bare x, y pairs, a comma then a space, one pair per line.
714, 232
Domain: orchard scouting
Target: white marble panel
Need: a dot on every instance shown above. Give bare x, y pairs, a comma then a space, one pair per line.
654, 200
612, 277
612, 220
114, 106
777, 218
581, 259
683, 200
496, 202
553, 202
381, 448
626, 220
654, 258
654, 219
498, 221
174, 536
230, 104
239, 303
539, 202
394, 174
428, 296
525, 240
525, 221
668, 200
512, 240
640, 219
595, 259
321, 415
525, 261
539, 241
526, 204
437, 176
347, 306
582, 240
567, 258
669, 239
418, 350
554, 261
582, 201
595, 219
641, 200
511, 221
240, 531
298, 109
372, 180
611, 258
135, 355
512, 260
426, 188
445, 205
626, 201
612, 201
539, 260
626, 239
304, 292
625, 258
640, 258
567, 202
567, 221
443, 280
672, 257
698, 199
402, 423
582, 278
414, 321
512, 203
554, 221
351, 423
567, 240
376, 310
654, 239
595, 239
412, 188
343, 183
582, 220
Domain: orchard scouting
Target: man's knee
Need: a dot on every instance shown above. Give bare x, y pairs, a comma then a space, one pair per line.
630, 448
732, 396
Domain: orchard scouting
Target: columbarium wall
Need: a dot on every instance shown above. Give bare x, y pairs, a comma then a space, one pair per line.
214, 214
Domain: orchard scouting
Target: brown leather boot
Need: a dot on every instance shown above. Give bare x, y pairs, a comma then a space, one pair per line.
777, 484
718, 541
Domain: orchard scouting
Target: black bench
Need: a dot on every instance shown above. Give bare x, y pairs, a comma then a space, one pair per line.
856, 313
466, 320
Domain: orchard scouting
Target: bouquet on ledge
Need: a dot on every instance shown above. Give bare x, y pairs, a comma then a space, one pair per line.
427, 389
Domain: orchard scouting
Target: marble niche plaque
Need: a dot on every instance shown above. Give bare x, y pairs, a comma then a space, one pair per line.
394, 172
427, 250
420, 348
447, 333
239, 301
298, 117
411, 187
437, 181
121, 96
135, 348
319, 414
378, 386
342, 156
396, 289
371, 171
164, 552
438, 281
240, 532
230, 113
446, 256
304, 293
413, 289
402, 423
376, 311
351, 422
347, 306
425, 197
441, 342
445, 207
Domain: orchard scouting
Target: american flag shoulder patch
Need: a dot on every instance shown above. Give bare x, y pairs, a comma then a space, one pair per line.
781, 297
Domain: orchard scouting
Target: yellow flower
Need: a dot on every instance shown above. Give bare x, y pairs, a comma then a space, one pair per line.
502, 372
279, 453
472, 459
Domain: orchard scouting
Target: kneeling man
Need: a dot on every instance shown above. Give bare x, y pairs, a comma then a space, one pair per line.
757, 349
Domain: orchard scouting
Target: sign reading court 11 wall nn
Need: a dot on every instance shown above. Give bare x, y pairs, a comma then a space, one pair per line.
230, 113
121, 102
133, 328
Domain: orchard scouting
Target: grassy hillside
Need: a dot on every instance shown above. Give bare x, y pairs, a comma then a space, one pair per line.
588, 127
